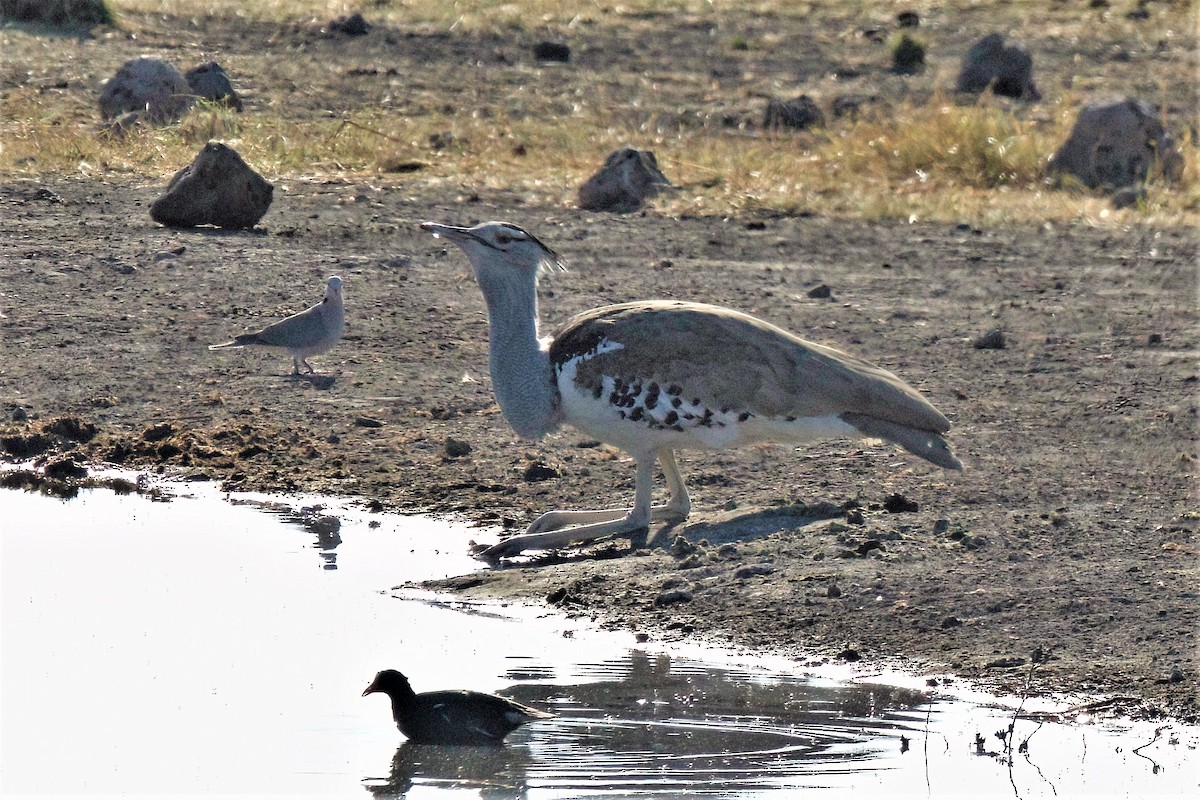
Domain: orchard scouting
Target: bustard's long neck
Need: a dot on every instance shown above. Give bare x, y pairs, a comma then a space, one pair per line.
521, 374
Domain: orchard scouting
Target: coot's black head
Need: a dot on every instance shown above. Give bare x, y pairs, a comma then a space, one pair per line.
390, 682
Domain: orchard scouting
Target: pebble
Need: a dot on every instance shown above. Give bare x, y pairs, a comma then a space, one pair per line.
751, 570
539, 471
992, 340
672, 596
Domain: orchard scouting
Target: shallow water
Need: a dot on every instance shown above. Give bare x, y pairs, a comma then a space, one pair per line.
207, 647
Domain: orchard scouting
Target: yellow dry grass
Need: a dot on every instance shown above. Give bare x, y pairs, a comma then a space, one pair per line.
922, 160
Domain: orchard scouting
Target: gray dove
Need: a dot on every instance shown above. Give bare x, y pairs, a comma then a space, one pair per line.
312, 331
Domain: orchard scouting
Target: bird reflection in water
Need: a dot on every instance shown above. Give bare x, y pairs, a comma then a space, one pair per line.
496, 772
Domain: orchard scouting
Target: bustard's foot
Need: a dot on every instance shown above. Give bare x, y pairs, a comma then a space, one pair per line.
561, 528
559, 520
519, 543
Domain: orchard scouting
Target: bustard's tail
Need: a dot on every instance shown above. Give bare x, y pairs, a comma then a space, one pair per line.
927, 444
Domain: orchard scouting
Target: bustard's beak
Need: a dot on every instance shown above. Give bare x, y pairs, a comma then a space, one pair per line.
370, 689
451, 232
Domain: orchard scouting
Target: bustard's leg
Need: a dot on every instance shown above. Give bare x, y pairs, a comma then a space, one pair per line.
550, 529
678, 504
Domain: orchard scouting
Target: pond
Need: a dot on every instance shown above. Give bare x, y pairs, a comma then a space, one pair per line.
194, 643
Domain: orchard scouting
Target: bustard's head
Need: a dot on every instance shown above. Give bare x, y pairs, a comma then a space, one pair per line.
333, 287
498, 247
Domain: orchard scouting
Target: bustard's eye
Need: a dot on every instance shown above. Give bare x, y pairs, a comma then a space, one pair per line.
503, 238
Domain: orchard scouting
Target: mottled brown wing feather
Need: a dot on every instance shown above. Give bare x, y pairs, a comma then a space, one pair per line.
728, 359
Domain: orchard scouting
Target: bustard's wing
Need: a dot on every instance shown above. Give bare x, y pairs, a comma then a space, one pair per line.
730, 360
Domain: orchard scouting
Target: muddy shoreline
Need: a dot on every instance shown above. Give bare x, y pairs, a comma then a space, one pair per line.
1071, 534
1071, 539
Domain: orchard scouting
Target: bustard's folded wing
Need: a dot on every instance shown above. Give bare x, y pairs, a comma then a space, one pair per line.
730, 360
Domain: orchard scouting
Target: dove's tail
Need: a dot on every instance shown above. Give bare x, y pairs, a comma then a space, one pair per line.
240, 341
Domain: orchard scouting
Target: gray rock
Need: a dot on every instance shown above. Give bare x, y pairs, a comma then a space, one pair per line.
209, 82
148, 87
627, 178
798, 113
1007, 69
217, 188
1115, 145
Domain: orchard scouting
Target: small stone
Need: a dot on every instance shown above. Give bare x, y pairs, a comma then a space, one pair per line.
1176, 675
158, 432
992, 340
351, 25
19, 414
908, 55
867, 546
673, 596
209, 82
552, 51
908, 19
832, 591
940, 526
1006, 663
367, 422
752, 570
680, 547
821, 292
795, 114
897, 503
456, 448
539, 471
846, 106
951, 622
64, 468
849, 654
1154, 338
641, 637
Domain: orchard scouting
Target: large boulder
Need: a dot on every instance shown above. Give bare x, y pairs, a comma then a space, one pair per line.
209, 82
150, 88
627, 178
1115, 145
217, 188
1007, 69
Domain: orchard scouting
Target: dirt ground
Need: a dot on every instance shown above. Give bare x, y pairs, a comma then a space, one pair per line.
1070, 540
